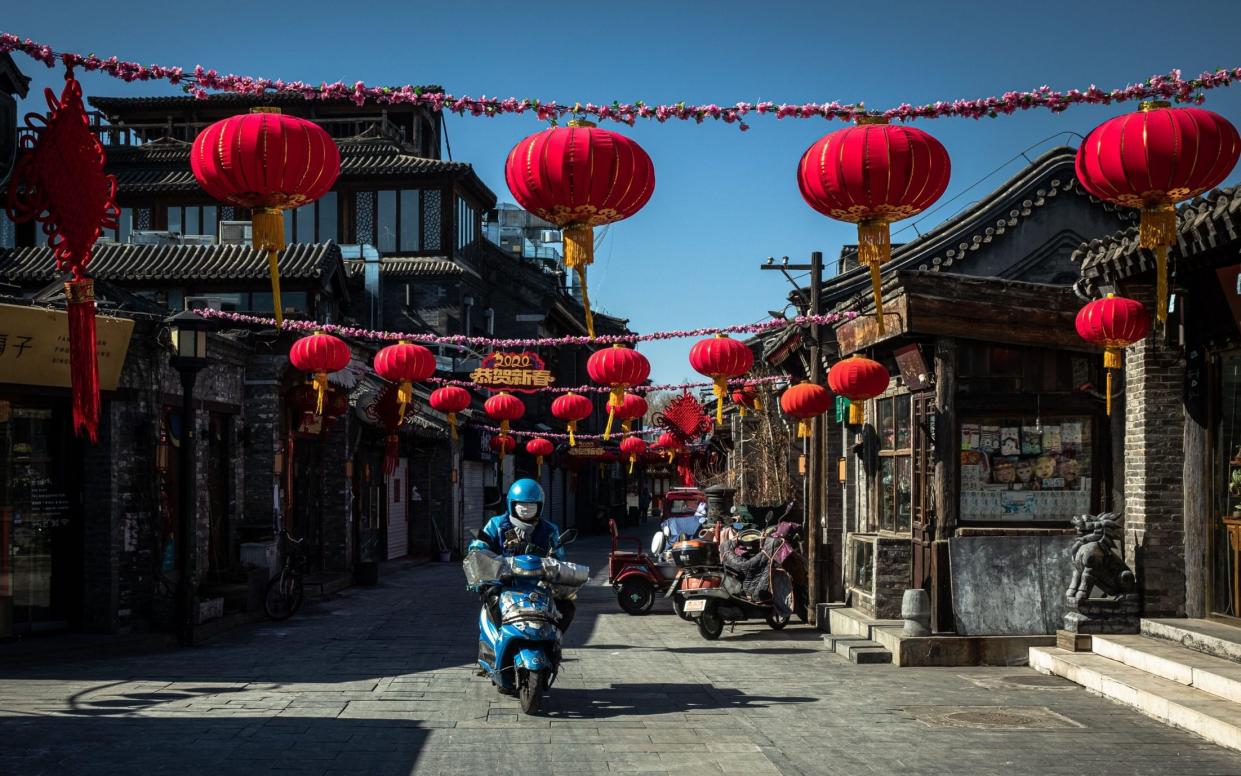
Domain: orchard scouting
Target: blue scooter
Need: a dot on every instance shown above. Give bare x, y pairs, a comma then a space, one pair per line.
518, 633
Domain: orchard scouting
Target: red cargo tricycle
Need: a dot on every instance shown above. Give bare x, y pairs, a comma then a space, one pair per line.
636, 575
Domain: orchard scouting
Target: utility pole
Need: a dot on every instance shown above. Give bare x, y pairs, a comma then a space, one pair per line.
814, 468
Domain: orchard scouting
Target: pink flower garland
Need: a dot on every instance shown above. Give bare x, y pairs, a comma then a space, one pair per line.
552, 435
1169, 87
461, 339
642, 389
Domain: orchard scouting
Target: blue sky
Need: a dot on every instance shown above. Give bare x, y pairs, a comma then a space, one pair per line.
724, 199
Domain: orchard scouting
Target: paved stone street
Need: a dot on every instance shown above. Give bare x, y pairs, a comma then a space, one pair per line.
380, 681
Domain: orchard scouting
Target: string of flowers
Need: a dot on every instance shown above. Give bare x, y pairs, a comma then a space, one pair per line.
553, 435
355, 332
199, 81
643, 389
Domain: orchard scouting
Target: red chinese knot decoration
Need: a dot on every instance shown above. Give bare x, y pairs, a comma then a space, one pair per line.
1114, 323
572, 408
504, 407
632, 448
720, 358
873, 174
319, 354
579, 177
404, 364
267, 162
857, 379
59, 181
684, 418
1152, 159
805, 401
450, 400
617, 367
540, 448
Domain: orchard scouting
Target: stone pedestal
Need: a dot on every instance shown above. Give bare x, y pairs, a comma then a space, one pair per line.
1103, 615
1074, 642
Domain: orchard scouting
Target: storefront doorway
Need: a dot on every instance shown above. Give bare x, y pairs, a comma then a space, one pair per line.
1225, 486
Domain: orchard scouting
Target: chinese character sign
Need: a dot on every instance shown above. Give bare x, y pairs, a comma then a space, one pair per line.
524, 372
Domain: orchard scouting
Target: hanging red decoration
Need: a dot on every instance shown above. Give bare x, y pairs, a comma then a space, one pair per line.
386, 412
617, 367
504, 407
1115, 323
404, 364
685, 418
540, 448
632, 448
746, 398
669, 443
1153, 159
873, 174
450, 400
633, 407
720, 358
579, 177
319, 354
572, 408
267, 162
59, 181
805, 401
502, 444
857, 379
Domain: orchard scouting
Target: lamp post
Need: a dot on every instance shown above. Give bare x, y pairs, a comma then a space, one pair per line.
189, 356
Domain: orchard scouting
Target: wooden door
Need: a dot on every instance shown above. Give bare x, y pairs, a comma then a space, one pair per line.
923, 408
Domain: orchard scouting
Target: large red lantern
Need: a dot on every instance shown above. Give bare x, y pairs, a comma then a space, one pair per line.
1153, 159
669, 443
632, 448
404, 364
873, 174
450, 400
267, 162
502, 445
319, 354
617, 367
746, 398
633, 407
579, 177
540, 448
857, 379
504, 407
805, 401
1115, 323
720, 358
572, 408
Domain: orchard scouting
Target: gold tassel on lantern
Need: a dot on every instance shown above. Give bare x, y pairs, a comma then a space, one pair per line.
404, 395
267, 232
572, 431
1112, 360
320, 383
719, 387
452, 425
1157, 232
615, 399
671, 456
539, 461
632, 459
803, 428
874, 247
579, 251
857, 413
504, 427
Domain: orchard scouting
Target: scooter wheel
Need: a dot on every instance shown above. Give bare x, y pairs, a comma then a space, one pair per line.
710, 624
530, 693
777, 621
678, 606
635, 595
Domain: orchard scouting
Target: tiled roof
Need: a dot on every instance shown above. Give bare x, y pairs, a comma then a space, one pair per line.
162, 263
410, 266
1203, 223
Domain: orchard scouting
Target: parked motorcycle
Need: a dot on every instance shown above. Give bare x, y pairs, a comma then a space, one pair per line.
519, 635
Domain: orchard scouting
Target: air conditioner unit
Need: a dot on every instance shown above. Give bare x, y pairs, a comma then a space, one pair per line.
203, 303
197, 239
105, 241
549, 235
235, 233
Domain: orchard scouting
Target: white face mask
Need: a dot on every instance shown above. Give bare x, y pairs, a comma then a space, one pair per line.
526, 512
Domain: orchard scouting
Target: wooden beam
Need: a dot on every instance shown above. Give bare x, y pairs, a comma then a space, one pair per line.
862, 332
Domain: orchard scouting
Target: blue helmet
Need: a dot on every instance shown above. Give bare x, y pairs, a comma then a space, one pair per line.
525, 491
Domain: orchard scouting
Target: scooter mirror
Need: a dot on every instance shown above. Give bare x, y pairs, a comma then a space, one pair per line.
566, 538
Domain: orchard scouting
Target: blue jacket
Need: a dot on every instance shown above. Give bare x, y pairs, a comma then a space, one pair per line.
502, 539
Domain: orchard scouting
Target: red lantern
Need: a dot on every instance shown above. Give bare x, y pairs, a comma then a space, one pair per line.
319, 354
268, 162
805, 401
404, 364
633, 448
873, 174
669, 443
746, 397
540, 448
633, 407
720, 358
857, 379
579, 177
503, 445
504, 407
572, 408
450, 400
302, 399
1115, 323
1153, 159
617, 367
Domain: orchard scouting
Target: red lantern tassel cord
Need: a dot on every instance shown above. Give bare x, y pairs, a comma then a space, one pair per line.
1112, 360
615, 400
83, 365
874, 248
390, 453
1157, 233
719, 387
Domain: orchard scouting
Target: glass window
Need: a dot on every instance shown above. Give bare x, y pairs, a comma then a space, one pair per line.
192, 222
210, 218
886, 426
327, 217
305, 215
432, 219
125, 224
174, 219
902, 413
410, 221
8, 231
387, 221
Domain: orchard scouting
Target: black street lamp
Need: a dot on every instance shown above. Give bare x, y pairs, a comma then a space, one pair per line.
189, 356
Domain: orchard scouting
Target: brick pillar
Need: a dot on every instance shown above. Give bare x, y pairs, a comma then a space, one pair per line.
1153, 465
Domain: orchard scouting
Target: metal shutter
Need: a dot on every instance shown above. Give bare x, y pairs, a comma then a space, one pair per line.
472, 518
398, 510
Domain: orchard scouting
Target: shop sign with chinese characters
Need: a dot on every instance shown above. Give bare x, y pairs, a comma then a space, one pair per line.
34, 347
523, 372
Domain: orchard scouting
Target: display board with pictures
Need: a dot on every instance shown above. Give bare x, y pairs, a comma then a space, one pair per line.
1023, 470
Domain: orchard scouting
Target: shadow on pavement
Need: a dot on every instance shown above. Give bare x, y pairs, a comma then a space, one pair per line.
621, 700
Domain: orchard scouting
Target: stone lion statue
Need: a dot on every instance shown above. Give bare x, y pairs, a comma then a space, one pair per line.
1096, 558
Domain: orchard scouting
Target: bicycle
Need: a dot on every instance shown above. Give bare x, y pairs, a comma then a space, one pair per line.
285, 591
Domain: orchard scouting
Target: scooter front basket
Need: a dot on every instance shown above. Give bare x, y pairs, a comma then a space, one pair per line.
481, 567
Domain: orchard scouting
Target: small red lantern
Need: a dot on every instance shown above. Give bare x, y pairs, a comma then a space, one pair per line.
746, 397
504, 407
1153, 159
572, 408
805, 401
540, 448
1115, 323
632, 448
873, 174
857, 379
319, 354
633, 407
720, 358
404, 364
579, 177
450, 400
503, 445
268, 162
669, 443
617, 367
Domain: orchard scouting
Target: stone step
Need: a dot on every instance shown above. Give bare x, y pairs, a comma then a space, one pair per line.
1174, 662
1172, 703
1206, 636
857, 649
